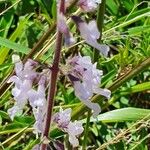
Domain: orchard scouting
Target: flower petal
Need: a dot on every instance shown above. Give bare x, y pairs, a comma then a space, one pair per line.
15, 110
90, 33
88, 5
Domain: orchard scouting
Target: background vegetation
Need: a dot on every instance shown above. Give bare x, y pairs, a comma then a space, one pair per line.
125, 119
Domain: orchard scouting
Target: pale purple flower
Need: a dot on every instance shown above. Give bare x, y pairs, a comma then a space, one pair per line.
23, 83
86, 81
18, 64
23, 91
62, 118
89, 32
37, 97
88, 5
38, 102
39, 114
63, 28
74, 129
15, 111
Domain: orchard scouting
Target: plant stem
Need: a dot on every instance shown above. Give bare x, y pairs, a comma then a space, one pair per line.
100, 21
54, 73
86, 130
100, 17
4, 86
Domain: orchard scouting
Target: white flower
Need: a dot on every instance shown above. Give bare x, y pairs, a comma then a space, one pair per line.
90, 33
38, 102
63, 28
63, 117
39, 114
23, 83
37, 98
88, 5
15, 110
87, 81
74, 129
23, 91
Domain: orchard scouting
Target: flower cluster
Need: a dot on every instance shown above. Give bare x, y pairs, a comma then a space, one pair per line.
84, 75
89, 31
86, 81
63, 28
23, 91
74, 129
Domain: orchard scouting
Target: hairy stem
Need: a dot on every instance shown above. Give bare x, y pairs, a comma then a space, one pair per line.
86, 131
4, 86
54, 73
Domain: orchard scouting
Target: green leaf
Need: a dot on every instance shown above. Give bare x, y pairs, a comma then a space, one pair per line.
112, 6
4, 114
12, 45
5, 23
0, 120
5, 66
15, 136
138, 30
121, 115
25, 120
32, 144
137, 88
18, 32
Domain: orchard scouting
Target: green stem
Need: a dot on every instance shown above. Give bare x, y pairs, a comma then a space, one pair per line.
86, 130
100, 21
139, 142
128, 22
100, 17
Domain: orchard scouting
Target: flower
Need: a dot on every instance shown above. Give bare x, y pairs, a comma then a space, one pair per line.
88, 5
86, 81
15, 110
63, 28
74, 129
62, 118
23, 83
90, 33
38, 102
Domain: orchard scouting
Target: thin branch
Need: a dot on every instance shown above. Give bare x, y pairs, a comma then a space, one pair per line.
53, 80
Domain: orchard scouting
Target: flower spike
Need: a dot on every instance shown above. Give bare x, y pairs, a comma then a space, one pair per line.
89, 32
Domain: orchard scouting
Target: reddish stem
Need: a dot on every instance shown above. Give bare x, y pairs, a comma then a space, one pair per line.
54, 73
